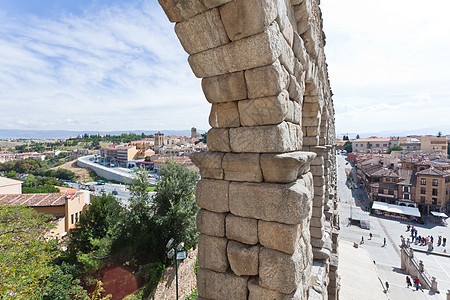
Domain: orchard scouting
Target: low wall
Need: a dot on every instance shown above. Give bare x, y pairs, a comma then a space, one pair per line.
103, 171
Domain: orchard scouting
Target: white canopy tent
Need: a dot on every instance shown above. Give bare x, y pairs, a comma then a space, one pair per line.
439, 214
392, 208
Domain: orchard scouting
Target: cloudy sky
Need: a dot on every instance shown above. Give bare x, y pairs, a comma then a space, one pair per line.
117, 65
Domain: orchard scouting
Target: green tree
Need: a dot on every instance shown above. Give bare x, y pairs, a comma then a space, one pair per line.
439, 134
394, 148
147, 158
25, 252
345, 137
175, 202
357, 136
348, 146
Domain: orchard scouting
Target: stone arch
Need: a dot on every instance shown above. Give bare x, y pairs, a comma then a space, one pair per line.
265, 180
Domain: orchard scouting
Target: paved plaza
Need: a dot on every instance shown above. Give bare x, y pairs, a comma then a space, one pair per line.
386, 258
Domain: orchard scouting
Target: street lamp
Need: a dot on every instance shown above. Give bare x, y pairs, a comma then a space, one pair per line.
178, 253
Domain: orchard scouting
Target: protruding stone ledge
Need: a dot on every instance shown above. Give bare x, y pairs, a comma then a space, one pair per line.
211, 223
278, 236
284, 137
221, 286
224, 88
209, 163
243, 258
244, 230
284, 203
284, 168
255, 51
242, 167
213, 195
212, 253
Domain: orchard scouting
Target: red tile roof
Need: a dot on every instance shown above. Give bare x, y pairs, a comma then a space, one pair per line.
48, 199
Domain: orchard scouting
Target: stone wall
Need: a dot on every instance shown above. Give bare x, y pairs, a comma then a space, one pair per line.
268, 224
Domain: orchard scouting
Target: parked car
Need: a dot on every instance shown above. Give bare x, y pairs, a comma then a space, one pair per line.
114, 192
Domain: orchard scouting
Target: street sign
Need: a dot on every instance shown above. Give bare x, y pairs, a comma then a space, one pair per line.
181, 255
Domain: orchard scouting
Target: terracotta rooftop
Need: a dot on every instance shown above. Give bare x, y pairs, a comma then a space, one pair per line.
433, 172
47, 199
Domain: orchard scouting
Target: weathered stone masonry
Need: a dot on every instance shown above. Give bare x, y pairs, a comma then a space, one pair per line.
268, 223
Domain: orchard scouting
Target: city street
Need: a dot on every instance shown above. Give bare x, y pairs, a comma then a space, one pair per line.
387, 257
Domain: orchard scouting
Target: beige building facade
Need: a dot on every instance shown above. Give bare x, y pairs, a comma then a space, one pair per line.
432, 143
10, 186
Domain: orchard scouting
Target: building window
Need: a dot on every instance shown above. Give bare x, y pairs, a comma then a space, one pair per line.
434, 201
423, 181
388, 179
406, 189
423, 190
406, 196
422, 199
380, 191
394, 180
434, 192
384, 145
356, 145
435, 182
377, 145
71, 219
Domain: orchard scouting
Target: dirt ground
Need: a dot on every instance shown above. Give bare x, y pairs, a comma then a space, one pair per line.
80, 173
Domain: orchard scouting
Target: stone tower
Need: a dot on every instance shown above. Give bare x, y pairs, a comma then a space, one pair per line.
268, 225
159, 141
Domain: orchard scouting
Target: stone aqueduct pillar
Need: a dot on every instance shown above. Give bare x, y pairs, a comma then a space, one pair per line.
268, 190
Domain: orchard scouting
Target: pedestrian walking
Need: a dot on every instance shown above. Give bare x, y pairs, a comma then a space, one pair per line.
384, 242
416, 283
370, 236
387, 286
362, 240
408, 282
444, 242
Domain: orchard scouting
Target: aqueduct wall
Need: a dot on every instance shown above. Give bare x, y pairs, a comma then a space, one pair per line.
268, 223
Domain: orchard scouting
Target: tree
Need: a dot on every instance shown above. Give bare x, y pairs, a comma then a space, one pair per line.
175, 202
348, 146
394, 148
357, 136
345, 137
147, 158
439, 134
25, 252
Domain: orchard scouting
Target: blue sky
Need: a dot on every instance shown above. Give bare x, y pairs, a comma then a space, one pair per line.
118, 65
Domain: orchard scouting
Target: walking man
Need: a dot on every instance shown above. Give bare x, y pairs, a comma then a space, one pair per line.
408, 282
416, 283
384, 242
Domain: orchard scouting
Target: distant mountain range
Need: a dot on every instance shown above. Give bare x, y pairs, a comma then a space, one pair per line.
64, 134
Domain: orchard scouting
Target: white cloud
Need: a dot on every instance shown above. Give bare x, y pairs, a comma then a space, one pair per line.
388, 63
120, 67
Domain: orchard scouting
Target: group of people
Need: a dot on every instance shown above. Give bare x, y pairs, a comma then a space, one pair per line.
409, 284
424, 240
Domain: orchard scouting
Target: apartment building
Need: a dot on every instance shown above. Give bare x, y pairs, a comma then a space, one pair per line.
432, 143
416, 181
65, 207
432, 192
6, 156
371, 145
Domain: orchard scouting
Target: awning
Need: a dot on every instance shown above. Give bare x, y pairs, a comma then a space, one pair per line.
392, 208
439, 214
